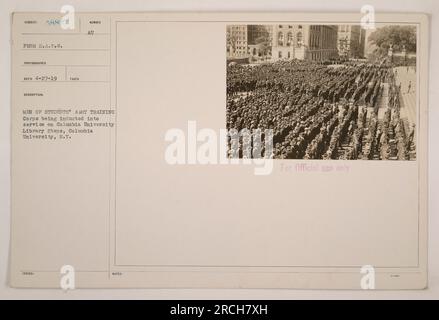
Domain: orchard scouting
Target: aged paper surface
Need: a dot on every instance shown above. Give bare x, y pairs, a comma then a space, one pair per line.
118, 166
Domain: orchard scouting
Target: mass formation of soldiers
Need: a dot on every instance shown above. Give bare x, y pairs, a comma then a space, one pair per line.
318, 111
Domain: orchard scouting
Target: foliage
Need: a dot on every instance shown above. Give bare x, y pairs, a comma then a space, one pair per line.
396, 36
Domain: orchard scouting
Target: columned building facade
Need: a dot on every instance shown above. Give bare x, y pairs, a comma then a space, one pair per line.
287, 42
310, 42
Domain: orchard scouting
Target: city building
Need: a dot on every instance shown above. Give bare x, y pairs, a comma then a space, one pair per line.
351, 41
287, 42
282, 42
363, 43
237, 45
259, 38
321, 42
310, 42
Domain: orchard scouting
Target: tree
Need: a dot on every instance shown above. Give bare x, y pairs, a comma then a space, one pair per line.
396, 36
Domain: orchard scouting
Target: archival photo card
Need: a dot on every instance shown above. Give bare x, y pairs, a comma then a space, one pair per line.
219, 150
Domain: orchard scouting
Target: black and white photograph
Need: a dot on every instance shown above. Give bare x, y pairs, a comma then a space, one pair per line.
332, 92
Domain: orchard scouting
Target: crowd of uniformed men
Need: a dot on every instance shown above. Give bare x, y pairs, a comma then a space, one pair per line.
318, 111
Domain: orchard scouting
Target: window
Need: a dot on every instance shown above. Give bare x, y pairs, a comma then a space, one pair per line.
299, 39
289, 38
280, 39
280, 54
